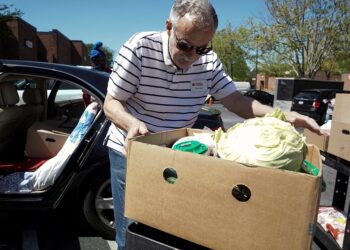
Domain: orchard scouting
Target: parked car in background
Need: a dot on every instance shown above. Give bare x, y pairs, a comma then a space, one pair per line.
314, 103
261, 96
45, 101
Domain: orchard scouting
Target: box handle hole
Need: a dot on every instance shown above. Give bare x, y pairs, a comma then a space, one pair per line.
346, 132
241, 192
170, 175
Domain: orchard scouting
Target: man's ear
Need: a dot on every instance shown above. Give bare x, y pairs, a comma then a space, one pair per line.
168, 25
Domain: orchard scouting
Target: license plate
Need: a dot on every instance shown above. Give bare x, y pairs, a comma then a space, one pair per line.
300, 102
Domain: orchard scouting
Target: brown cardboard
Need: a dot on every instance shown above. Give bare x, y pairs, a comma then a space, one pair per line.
44, 141
339, 141
321, 141
341, 108
281, 213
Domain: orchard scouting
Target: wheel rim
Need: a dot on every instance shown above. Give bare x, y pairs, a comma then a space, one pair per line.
104, 204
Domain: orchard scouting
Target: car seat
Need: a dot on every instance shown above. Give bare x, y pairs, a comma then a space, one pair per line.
45, 176
10, 119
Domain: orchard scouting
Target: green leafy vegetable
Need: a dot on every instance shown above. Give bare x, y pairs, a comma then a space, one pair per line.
266, 141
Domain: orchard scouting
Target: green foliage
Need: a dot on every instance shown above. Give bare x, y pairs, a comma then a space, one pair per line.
296, 39
231, 55
6, 12
306, 33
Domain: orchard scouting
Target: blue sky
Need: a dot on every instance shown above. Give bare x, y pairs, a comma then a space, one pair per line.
114, 21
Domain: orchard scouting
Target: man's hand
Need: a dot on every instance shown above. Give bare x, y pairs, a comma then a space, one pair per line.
303, 121
136, 128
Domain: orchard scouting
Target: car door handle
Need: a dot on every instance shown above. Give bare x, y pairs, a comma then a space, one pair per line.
50, 140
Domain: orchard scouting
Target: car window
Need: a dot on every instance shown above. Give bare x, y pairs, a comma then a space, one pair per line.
68, 92
65, 99
21, 83
308, 94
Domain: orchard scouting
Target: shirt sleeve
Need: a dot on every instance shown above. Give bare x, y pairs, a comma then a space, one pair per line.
126, 72
222, 84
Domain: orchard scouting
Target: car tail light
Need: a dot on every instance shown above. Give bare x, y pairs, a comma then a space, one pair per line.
316, 104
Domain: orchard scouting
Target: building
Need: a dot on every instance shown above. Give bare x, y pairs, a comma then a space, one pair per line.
79, 53
268, 83
54, 47
22, 41
346, 79
26, 43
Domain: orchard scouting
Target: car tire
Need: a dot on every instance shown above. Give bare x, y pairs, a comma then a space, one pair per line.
98, 206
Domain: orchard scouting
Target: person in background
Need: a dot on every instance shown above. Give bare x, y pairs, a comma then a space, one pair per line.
160, 80
99, 62
330, 108
98, 58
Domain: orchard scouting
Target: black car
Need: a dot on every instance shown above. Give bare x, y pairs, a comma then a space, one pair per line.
40, 106
314, 103
261, 96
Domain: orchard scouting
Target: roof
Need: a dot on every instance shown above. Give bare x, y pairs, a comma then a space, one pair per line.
87, 77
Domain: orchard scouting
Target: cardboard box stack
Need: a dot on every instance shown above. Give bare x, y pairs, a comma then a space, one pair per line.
218, 203
321, 141
339, 141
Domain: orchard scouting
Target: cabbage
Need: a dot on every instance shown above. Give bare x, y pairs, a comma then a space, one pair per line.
266, 142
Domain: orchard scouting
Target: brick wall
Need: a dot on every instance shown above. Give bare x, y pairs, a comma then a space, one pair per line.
346, 79
54, 47
63, 45
22, 43
25, 43
79, 53
46, 48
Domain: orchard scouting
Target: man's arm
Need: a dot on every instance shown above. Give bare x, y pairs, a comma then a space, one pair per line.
116, 113
247, 107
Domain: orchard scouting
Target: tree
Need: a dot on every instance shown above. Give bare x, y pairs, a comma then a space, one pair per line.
231, 55
109, 52
305, 33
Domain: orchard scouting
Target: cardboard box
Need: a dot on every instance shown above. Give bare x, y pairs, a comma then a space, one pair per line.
339, 141
44, 140
200, 206
321, 141
341, 108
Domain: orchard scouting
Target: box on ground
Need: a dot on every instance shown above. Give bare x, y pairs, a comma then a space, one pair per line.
339, 141
140, 236
321, 141
218, 203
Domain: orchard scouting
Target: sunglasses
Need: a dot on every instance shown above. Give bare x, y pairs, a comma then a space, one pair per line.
186, 47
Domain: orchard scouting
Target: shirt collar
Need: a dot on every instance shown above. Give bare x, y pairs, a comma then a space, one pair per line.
166, 52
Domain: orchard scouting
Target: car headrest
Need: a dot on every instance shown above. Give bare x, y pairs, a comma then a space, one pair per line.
32, 96
9, 94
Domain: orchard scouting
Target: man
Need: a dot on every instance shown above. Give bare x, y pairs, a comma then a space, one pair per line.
159, 82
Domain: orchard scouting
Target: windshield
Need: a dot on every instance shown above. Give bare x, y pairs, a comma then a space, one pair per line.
308, 95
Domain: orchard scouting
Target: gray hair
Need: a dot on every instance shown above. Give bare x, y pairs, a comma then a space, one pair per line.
202, 11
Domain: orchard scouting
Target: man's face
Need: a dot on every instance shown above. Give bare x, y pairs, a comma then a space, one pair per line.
186, 41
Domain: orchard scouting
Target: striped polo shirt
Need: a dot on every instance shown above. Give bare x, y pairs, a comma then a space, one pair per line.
156, 92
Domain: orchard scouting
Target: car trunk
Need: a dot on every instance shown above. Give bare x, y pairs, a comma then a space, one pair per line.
305, 101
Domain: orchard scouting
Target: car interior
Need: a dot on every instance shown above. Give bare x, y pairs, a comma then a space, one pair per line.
37, 117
